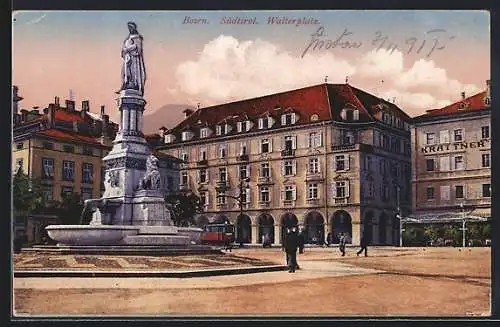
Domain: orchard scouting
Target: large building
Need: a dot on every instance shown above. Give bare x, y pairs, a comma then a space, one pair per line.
330, 158
62, 146
451, 159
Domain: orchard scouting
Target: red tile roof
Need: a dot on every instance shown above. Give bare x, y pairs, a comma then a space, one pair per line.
68, 136
324, 100
64, 115
470, 104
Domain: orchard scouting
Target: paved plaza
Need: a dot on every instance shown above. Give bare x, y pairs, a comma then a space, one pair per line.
389, 282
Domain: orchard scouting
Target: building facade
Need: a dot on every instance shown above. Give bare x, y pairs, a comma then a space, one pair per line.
63, 147
451, 159
330, 158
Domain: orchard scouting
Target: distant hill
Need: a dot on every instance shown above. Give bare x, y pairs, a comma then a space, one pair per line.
168, 115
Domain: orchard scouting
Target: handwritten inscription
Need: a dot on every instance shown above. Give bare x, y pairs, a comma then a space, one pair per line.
453, 146
433, 40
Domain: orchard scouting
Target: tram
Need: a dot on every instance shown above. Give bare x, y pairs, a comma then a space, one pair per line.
217, 234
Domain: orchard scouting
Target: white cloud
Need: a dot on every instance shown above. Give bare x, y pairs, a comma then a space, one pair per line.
227, 69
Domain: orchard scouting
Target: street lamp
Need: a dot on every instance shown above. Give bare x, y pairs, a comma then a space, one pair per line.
463, 224
242, 188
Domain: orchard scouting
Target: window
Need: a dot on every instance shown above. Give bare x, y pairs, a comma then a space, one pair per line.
312, 191
459, 191
223, 174
340, 189
430, 193
369, 163
48, 145
486, 188
86, 193
186, 135
429, 163
486, 160
458, 135
19, 146
289, 143
68, 148
221, 197
485, 132
222, 152
264, 194
244, 196
265, 170
203, 175
243, 149
341, 162
169, 138
444, 136
203, 154
264, 123
48, 193
87, 151
445, 192
218, 130
227, 128
184, 157
313, 165
459, 163
315, 140
382, 167
184, 178
68, 170
239, 127
243, 172
444, 163
288, 167
66, 191
170, 183
264, 146
288, 119
87, 172
204, 132
371, 190
385, 192
430, 138
203, 199
289, 193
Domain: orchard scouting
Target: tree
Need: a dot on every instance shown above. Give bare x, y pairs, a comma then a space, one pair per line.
431, 232
184, 206
70, 209
27, 194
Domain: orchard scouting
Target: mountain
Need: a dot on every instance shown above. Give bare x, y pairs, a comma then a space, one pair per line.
168, 115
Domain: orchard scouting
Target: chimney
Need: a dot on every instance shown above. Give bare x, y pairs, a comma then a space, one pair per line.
24, 114
105, 123
46, 110
15, 98
52, 115
56, 102
70, 105
85, 105
102, 111
488, 88
463, 95
187, 112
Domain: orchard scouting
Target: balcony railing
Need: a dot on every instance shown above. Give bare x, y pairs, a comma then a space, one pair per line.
289, 203
265, 180
203, 162
288, 153
222, 184
313, 201
343, 147
264, 204
340, 200
314, 176
243, 157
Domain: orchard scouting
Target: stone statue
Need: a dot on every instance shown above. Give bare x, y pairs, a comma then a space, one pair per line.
133, 68
151, 179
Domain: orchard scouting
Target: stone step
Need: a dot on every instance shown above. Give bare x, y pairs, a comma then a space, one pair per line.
156, 240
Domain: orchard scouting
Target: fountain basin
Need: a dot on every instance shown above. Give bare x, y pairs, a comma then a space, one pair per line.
90, 234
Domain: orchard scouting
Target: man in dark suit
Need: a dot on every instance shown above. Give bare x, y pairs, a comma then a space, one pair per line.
364, 245
291, 244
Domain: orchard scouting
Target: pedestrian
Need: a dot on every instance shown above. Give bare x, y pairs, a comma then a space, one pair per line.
364, 245
302, 241
291, 244
328, 239
342, 242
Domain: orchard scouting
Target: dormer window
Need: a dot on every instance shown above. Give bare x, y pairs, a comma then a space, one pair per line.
461, 106
218, 130
263, 122
288, 119
187, 135
350, 114
169, 138
227, 128
204, 132
487, 101
239, 126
